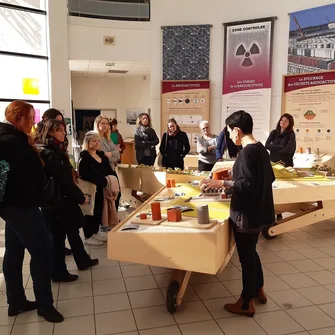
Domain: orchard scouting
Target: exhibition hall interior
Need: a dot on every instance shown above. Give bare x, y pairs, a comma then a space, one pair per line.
167, 167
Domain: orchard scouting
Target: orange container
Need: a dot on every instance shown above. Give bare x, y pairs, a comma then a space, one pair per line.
156, 211
301, 150
143, 216
168, 183
220, 174
173, 183
174, 214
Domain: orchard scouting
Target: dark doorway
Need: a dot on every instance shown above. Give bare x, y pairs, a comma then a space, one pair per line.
85, 121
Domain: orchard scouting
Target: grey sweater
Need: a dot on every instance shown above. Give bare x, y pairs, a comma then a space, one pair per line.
206, 156
109, 146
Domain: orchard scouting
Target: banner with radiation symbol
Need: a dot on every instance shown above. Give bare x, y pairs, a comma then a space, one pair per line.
247, 71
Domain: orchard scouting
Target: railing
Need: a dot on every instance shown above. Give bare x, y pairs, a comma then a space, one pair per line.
126, 10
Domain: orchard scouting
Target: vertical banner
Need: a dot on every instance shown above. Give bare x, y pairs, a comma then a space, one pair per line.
186, 52
310, 99
188, 102
311, 40
247, 71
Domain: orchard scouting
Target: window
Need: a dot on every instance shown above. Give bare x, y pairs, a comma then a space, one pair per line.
24, 71
22, 32
33, 4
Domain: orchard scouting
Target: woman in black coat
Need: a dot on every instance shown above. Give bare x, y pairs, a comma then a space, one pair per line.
281, 141
21, 194
63, 216
94, 167
174, 146
145, 140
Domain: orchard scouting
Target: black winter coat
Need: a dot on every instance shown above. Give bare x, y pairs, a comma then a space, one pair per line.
57, 165
26, 178
174, 149
281, 146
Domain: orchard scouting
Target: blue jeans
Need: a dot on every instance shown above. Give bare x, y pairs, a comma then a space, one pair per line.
26, 229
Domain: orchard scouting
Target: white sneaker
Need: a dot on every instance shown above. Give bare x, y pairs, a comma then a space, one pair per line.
101, 236
93, 241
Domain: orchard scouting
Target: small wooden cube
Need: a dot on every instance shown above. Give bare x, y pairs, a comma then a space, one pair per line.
143, 216
174, 214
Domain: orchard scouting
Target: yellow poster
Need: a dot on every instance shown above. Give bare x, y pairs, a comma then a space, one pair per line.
310, 99
31, 86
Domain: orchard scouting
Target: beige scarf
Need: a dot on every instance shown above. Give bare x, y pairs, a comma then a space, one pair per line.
111, 191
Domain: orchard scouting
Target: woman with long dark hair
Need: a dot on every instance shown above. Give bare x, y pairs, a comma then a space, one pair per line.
25, 226
281, 142
174, 146
65, 218
145, 140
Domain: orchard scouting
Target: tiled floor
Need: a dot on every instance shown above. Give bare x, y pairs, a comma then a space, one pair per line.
128, 299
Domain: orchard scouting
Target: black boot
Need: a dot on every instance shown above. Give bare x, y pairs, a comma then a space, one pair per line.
89, 264
50, 314
20, 308
68, 278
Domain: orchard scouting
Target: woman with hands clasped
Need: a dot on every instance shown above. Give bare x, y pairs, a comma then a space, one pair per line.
206, 147
251, 207
65, 217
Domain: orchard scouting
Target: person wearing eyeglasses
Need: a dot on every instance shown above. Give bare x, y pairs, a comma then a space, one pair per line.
206, 147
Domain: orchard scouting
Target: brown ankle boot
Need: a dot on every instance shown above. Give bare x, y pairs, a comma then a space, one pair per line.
237, 308
263, 299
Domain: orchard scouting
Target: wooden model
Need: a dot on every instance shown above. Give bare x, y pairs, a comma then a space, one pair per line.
188, 246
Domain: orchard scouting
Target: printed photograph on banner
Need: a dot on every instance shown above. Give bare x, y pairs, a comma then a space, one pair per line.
311, 40
310, 99
247, 71
132, 114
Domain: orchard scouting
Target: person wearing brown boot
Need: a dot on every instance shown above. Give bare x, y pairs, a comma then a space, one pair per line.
251, 207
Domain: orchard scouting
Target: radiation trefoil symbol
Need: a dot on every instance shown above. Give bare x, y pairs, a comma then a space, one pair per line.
254, 50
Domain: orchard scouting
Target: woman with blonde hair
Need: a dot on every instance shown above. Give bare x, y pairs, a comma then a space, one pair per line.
94, 167
102, 127
206, 147
145, 140
22, 187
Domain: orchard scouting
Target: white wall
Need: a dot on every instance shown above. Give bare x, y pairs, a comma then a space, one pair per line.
216, 12
132, 40
89, 92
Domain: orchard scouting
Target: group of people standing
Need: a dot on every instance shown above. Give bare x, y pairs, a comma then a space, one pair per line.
40, 198
174, 145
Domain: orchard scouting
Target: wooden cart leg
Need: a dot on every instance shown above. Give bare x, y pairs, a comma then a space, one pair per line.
177, 289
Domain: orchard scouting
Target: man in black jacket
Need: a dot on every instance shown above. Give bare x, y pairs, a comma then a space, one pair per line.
251, 207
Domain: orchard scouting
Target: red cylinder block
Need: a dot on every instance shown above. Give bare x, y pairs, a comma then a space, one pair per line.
156, 211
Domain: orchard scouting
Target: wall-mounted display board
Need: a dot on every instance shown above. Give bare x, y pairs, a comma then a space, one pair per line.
247, 71
188, 102
310, 99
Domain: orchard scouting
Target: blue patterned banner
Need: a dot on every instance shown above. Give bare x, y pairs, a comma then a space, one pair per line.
186, 52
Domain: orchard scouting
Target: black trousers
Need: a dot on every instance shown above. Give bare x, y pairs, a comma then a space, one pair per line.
147, 160
252, 273
26, 229
117, 200
204, 166
59, 229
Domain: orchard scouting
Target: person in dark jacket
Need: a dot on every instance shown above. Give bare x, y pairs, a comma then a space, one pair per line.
225, 148
281, 141
145, 140
94, 167
25, 226
66, 217
54, 114
174, 146
251, 207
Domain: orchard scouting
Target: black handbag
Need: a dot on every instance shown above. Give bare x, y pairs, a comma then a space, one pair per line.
53, 198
